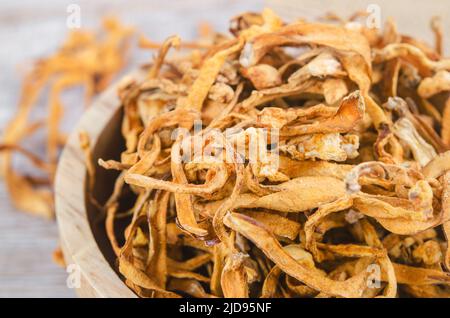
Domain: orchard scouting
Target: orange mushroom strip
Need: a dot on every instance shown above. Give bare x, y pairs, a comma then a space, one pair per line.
272, 248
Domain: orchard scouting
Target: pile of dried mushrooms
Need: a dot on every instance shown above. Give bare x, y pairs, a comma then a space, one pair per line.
347, 195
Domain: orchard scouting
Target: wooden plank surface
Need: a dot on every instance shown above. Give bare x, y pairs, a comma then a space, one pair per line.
30, 29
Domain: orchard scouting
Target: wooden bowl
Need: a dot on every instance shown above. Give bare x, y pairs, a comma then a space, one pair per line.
83, 237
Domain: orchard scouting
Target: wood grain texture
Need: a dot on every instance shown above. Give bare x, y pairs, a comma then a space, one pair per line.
26, 245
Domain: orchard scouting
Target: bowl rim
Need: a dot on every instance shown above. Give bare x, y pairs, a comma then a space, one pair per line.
76, 237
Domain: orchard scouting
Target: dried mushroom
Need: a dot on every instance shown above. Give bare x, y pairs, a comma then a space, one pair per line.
285, 160
295, 175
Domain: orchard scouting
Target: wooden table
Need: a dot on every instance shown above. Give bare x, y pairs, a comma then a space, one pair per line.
30, 29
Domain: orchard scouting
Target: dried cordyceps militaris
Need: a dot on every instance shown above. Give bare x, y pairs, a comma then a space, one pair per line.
351, 177
86, 59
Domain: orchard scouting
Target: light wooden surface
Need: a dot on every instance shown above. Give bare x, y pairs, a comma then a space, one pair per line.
26, 244
31, 28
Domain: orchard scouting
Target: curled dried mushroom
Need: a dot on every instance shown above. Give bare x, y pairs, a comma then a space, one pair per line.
312, 168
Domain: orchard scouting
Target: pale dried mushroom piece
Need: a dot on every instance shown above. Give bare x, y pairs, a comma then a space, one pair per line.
330, 147
422, 151
433, 85
262, 76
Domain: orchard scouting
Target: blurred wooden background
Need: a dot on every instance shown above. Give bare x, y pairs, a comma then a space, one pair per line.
412, 16
30, 29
